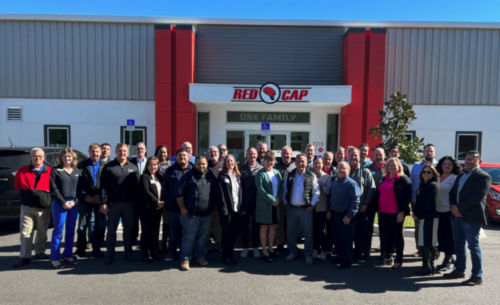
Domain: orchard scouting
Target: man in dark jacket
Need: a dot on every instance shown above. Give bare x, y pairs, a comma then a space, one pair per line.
284, 166
119, 189
249, 228
367, 188
170, 180
90, 200
468, 206
196, 200
32, 182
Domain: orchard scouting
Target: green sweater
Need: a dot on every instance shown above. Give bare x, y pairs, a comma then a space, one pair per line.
265, 198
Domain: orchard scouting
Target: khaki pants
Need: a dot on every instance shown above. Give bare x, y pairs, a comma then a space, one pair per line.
33, 219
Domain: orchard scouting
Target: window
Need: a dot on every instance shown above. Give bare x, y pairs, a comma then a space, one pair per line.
235, 141
332, 132
299, 140
131, 138
410, 134
465, 141
57, 135
203, 133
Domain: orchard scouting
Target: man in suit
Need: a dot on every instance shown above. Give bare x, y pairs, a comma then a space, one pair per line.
468, 206
90, 199
140, 161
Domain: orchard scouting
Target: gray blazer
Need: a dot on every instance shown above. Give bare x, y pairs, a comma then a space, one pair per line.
473, 194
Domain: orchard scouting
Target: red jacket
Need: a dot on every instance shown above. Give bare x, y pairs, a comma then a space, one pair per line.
25, 183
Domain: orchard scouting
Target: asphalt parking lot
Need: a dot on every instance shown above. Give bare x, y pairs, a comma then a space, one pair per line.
252, 281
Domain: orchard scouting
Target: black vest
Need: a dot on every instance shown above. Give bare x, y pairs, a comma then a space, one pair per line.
308, 185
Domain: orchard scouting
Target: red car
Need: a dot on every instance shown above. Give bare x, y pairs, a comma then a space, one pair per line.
493, 199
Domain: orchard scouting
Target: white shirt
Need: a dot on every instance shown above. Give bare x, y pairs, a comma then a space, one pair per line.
443, 200
235, 191
274, 181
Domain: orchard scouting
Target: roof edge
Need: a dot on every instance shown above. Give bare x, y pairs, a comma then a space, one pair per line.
243, 21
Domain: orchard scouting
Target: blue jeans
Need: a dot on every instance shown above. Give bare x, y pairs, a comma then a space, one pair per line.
63, 217
174, 231
299, 220
194, 236
467, 232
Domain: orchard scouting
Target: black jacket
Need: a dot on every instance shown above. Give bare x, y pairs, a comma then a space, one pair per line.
402, 192
188, 189
119, 184
64, 185
171, 178
425, 205
225, 195
248, 187
472, 200
149, 192
86, 183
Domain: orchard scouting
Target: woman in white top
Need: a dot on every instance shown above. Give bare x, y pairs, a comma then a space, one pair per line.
229, 205
151, 207
448, 170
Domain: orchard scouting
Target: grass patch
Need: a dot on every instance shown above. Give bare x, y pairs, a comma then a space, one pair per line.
409, 221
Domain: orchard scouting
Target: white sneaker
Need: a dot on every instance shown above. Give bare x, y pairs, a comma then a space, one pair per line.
322, 256
315, 254
256, 253
244, 253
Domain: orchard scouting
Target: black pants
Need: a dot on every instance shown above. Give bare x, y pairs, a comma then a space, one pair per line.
85, 211
445, 234
343, 236
362, 236
150, 230
319, 235
370, 220
229, 227
249, 230
125, 211
391, 236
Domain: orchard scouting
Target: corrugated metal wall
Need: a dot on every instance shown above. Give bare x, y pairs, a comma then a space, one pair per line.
258, 54
444, 66
76, 60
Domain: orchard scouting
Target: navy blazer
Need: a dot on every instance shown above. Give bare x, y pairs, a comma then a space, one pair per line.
86, 183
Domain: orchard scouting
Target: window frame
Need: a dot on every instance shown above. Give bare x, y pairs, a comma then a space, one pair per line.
46, 129
479, 135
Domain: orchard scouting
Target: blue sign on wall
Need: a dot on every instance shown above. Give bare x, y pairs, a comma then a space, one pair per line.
130, 122
265, 126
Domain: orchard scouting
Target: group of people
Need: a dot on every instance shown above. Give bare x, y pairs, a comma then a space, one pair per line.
330, 201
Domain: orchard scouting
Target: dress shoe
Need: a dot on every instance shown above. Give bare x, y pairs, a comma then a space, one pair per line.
454, 275
21, 262
473, 281
290, 257
202, 261
56, 264
396, 266
41, 256
70, 261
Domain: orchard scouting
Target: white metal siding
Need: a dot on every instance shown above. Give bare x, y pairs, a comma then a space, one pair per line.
76, 60
444, 66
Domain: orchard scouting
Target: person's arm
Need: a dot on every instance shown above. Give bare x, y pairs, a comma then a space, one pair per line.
180, 194
220, 197
480, 185
54, 189
104, 190
315, 192
354, 192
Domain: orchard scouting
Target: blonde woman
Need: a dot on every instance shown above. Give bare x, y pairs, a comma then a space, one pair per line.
393, 202
63, 187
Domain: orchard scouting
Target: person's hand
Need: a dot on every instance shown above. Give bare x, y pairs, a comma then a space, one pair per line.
310, 208
362, 208
184, 211
454, 210
400, 217
104, 209
329, 215
161, 204
346, 220
67, 205
226, 213
275, 204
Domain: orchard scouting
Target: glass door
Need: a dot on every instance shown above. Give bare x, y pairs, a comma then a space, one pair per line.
275, 141
254, 138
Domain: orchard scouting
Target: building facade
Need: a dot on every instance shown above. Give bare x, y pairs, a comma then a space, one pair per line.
70, 82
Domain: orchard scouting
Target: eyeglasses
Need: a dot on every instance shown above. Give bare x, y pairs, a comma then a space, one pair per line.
222, 149
427, 172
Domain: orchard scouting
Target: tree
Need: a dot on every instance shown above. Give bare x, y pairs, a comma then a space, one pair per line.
395, 119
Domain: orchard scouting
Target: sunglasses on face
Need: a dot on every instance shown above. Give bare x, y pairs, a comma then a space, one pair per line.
427, 172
